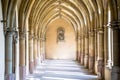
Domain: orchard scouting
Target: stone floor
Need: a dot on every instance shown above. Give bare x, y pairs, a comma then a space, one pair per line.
61, 70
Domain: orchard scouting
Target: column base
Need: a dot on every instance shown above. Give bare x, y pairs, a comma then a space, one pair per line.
115, 73
31, 67
100, 70
91, 64
22, 72
86, 61
10, 77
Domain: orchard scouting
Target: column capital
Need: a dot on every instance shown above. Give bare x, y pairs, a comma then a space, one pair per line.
100, 30
31, 36
91, 32
22, 34
10, 31
114, 24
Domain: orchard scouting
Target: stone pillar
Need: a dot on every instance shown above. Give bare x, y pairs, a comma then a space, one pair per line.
91, 51
43, 49
100, 53
35, 51
31, 56
82, 50
16, 55
78, 50
22, 56
86, 58
8, 55
38, 51
115, 26
27, 53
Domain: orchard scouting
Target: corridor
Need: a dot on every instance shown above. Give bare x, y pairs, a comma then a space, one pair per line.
61, 70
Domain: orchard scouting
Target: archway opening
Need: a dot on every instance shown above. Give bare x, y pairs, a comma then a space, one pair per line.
60, 40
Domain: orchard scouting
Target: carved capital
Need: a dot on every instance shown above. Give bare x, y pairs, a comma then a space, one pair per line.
92, 33
22, 34
15, 36
100, 30
10, 31
31, 36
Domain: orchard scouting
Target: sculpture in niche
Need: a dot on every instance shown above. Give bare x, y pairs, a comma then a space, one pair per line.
60, 34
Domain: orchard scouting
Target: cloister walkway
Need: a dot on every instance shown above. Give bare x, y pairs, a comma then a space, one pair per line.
61, 70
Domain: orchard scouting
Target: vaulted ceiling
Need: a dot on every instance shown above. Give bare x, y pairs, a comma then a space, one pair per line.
82, 14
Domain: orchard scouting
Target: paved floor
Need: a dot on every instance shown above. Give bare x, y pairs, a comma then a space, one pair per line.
61, 70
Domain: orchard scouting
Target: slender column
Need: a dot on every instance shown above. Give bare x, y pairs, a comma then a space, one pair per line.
8, 55
35, 51
16, 55
31, 56
43, 48
38, 51
101, 53
22, 56
91, 51
82, 51
78, 50
27, 53
86, 51
115, 26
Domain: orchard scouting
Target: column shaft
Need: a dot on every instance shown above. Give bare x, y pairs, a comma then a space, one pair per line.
22, 56
86, 59
35, 52
8, 55
31, 56
91, 52
101, 53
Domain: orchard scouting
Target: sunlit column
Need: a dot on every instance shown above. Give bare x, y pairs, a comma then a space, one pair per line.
38, 51
8, 54
78, 49
27, 53
82, 49
35, 51
22, 56
86, 59
91, 51
31, 56
100, 53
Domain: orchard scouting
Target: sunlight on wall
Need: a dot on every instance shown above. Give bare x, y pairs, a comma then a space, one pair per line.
65, 49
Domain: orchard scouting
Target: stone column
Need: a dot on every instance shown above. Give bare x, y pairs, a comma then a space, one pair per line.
86, 58
38, 51
22, 56
35, 51
100, 53
91, 51
78, 49
31, 55
43, 48
16, 37
27, 53
82, 51
8, 55
115, 25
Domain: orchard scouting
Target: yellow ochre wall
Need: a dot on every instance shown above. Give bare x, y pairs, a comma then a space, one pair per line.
60, 50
